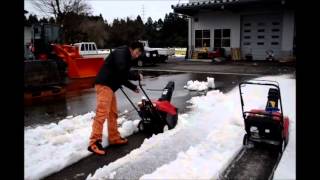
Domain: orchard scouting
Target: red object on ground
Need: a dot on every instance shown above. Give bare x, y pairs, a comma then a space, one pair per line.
43, 57
214, 54
166, 106
285, 119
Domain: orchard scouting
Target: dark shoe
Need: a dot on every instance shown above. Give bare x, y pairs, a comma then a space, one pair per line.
97, 148
120, 141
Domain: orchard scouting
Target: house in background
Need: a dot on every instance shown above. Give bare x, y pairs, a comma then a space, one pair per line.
252, 26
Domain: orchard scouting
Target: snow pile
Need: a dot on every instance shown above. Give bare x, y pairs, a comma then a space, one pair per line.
287, 166
200, 85
196, 127
50, 148
209, 156
204, 141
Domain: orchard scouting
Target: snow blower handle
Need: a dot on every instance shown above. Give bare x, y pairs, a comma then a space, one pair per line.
131, 102
140, 85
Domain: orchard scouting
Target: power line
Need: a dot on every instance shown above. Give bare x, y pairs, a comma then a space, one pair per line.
143, 13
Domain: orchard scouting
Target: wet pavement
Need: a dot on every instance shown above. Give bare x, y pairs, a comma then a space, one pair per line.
80, 97
242, 68
247, 165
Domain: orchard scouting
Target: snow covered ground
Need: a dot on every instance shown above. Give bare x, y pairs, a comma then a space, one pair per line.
200, 147
50, 148
204, 141
200, 85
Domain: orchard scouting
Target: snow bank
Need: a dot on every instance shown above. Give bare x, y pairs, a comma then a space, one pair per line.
206, 160
204, 141
50, 148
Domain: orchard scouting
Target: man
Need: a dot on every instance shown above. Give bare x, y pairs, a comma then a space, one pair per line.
114, 73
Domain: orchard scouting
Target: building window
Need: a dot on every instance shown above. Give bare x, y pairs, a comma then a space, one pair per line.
202, 38
275, 30
274, 43
247, 30
260, 43
260, 37
260, 30
222, 38
275, 37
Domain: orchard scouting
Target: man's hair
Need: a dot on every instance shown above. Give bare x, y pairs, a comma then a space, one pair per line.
136, 44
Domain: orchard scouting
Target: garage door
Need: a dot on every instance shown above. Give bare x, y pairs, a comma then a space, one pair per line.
260, 33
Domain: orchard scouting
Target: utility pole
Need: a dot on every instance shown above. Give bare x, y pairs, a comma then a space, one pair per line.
143, 13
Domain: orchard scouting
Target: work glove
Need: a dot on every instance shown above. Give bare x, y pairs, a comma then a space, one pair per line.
137, 90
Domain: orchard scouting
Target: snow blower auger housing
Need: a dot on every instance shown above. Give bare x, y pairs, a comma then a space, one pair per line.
267, 125
155, 115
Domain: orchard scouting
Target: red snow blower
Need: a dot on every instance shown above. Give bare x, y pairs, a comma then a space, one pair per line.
267, 125
155, 115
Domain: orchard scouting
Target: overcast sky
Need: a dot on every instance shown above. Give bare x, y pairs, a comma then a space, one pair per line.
111, 9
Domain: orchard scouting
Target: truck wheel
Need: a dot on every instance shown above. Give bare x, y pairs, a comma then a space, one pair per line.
140, 63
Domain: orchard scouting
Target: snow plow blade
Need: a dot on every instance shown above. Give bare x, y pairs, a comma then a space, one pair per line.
78, 66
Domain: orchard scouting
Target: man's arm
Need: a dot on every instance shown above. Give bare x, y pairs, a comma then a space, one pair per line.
130, 85
134, 75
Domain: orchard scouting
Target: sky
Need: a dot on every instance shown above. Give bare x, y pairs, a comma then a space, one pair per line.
112, 9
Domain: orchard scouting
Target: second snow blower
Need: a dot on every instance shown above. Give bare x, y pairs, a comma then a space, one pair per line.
267, 125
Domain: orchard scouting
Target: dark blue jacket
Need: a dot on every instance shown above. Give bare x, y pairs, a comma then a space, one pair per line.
116, 70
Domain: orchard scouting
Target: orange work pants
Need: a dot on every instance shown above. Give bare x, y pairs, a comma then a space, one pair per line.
106, 109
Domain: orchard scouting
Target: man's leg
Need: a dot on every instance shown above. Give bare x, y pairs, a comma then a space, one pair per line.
104, 99
114, 135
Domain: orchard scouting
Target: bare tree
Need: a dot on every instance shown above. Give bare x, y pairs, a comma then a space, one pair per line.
94, 30
58, 8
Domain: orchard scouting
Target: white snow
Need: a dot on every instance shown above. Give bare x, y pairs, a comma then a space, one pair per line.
204, 141
50, 148
200, 85
287, 167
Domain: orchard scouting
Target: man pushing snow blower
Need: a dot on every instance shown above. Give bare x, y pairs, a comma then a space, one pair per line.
114, 73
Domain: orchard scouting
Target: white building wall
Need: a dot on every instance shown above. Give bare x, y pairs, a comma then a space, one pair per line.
219, 20
287, 33
230, 20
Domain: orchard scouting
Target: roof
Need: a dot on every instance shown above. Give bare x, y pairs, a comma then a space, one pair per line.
193, 7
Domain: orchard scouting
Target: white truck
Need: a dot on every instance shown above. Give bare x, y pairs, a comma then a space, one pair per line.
89, 49
164, 53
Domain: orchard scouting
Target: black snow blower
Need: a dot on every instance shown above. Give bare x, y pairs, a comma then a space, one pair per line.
268, 125
156, 115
